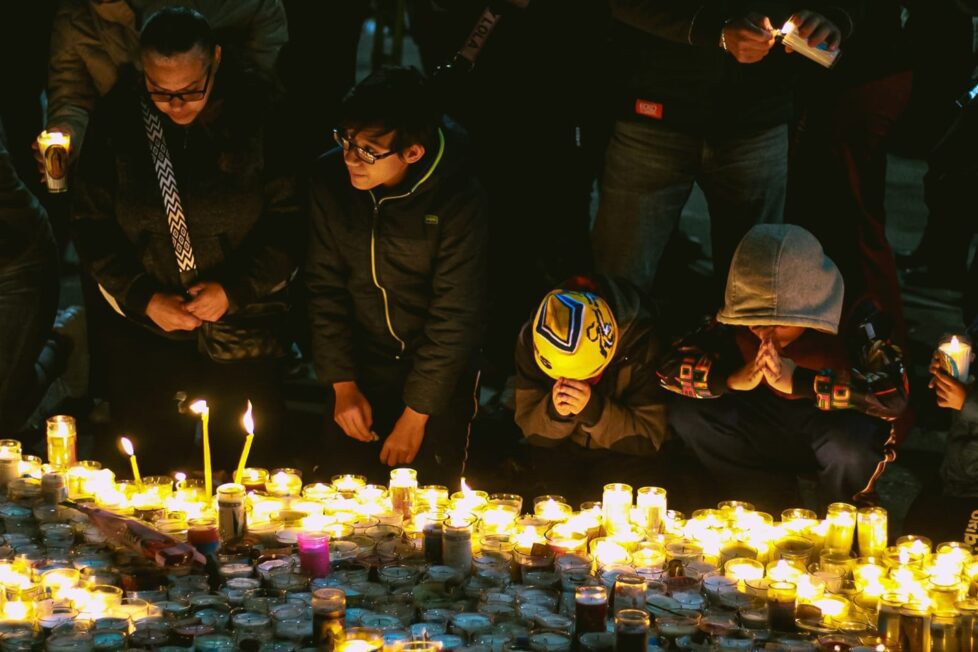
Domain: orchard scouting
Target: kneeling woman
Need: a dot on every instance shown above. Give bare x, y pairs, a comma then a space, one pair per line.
188, 219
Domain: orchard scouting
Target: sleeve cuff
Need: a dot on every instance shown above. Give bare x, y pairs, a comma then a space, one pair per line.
141, 290
592, 412
426, 397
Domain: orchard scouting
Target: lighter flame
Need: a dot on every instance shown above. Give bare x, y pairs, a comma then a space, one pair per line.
247, 421
199, 407
788, 28
127, 446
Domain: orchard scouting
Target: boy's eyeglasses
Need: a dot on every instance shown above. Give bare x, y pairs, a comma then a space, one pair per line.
364, 155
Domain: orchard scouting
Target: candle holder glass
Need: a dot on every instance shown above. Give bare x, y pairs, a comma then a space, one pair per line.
62, 439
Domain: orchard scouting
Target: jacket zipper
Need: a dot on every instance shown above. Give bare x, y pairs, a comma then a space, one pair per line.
373, 272
373, 243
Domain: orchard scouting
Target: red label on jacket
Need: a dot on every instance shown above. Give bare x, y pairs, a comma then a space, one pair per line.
649, 109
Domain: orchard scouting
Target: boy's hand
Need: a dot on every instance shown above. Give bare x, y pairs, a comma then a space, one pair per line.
353, 412
746, 378
778, 371
401, 446
570, 396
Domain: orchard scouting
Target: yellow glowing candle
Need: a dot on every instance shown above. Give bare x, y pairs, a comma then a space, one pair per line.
955, 357
609, 553
201, 408
552, 510
832, 606
871, 529
127, 446
841, 518
782, 571
249, 425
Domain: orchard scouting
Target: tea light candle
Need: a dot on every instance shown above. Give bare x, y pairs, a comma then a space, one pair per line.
782, 571
284, 483
551, 510
349, 483
743, 571
498, 518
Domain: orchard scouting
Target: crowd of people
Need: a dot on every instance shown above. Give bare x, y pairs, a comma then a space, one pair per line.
239, 207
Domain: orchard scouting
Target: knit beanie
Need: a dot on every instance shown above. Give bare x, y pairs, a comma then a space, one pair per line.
780, 276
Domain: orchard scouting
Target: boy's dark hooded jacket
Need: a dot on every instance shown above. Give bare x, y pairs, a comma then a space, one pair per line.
399, 274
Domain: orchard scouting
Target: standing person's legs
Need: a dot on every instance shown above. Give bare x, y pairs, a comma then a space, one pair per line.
28, 303
648, 176
837, 185
744, 179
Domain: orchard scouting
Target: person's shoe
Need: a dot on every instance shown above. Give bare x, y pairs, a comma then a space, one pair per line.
70, 330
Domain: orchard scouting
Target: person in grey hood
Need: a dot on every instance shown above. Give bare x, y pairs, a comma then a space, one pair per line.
396, 274
795, 387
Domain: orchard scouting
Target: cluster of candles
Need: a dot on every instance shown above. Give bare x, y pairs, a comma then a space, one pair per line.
613, 573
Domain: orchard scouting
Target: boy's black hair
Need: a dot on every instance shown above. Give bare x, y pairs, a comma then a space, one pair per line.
393, 99
175, 30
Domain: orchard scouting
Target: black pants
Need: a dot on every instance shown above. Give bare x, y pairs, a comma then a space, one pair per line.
444, 449
143, 373
28, 303
755, 443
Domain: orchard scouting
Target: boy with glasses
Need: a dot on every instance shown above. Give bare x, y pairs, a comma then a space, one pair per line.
396, 276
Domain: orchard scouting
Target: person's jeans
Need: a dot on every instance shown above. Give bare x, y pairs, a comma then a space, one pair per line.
28, 305
755, 444
649, 175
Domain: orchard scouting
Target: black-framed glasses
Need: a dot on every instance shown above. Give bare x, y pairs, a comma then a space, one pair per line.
183, 96
364, 155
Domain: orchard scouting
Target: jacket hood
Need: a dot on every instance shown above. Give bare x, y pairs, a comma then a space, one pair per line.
780, 276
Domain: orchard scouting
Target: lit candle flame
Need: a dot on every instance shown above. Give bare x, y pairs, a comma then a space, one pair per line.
179, 476
247, 421
466, 489
955, 345
199, 407
127, 446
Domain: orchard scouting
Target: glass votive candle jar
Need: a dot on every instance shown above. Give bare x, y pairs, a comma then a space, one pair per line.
498, 517
251, 628
841, 520
348, 484
743, 570
431, 497
871, 531
563, 538
254, 478
318, 491
62, 440
284, 482
552, 508
362, 639
835, 562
